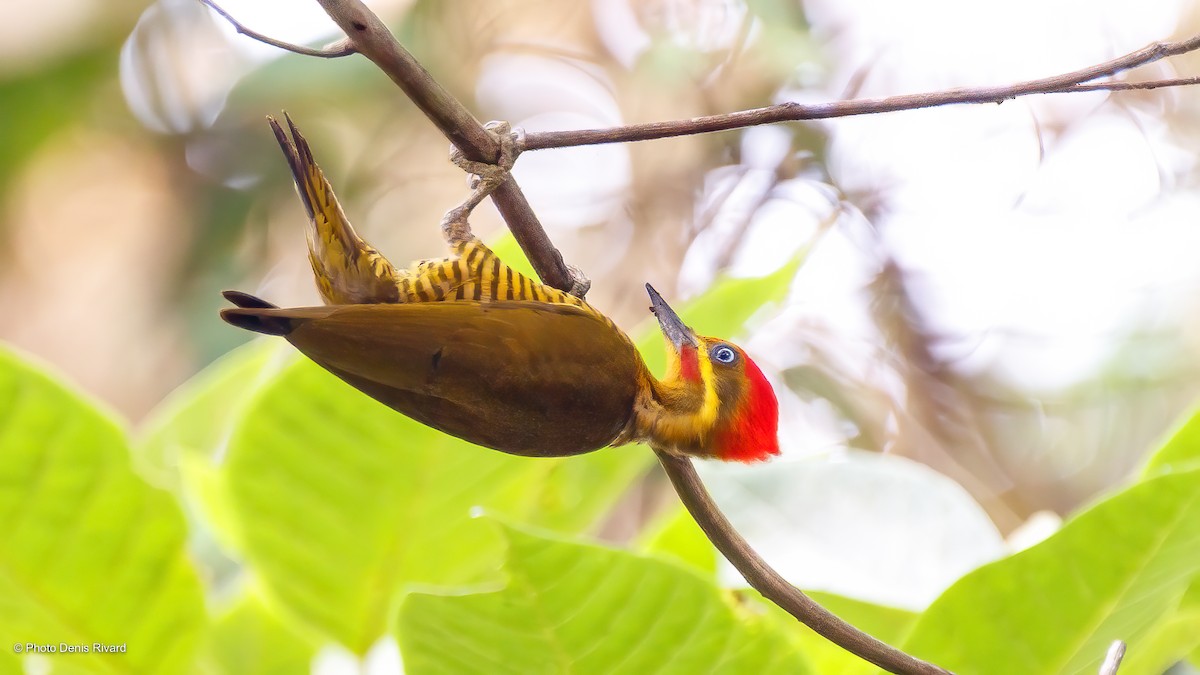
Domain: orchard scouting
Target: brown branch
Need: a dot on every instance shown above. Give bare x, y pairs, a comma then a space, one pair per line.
794, 112
775, 588
333, 51
1133, 86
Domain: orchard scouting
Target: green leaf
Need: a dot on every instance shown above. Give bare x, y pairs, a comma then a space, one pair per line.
1181, 449
216, 522
507, 249
679, 537
89, 552
1108, 574
1191, 604
888, 624
342, 502
198, 416
571, 494
10, 663
184, 434
1167, 643
577, 608
248, 637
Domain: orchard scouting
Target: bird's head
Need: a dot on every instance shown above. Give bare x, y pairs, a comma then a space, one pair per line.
714, 400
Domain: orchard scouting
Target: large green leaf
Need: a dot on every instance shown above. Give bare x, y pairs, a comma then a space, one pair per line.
678, 536
1190, 605
571, 494
576, 608
1110, 573
888, 624
184, 436
198, 416
342, 502
1166, 643
1180, 450
249, 638
88, 552
1172, 639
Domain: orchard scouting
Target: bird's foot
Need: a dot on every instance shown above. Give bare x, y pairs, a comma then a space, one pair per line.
484, 179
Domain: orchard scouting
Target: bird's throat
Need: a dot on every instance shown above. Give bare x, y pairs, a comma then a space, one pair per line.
669, 415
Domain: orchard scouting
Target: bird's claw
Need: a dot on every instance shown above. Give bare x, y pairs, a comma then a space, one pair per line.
489, 175
484, 178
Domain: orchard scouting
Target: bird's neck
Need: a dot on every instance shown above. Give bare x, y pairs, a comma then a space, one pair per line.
674, 415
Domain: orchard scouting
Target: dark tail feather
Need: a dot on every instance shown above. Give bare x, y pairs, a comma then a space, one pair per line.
246, 300
250, 315
251, 319
297, 154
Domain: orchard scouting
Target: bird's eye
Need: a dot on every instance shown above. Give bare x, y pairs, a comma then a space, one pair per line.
724, 354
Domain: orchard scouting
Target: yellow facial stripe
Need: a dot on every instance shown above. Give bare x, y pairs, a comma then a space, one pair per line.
708, 409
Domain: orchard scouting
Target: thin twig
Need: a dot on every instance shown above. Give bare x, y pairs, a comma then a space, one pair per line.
775, 588
333, 51
1134, 86
1112, 660
792, 112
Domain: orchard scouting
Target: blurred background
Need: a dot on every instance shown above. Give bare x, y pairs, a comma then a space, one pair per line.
1005, 295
